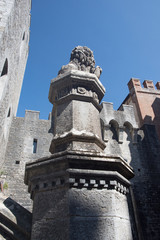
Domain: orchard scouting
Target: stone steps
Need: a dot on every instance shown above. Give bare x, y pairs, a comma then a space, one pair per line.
15, 221
12, 230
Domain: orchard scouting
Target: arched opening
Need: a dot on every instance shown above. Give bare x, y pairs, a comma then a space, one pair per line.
129, 130
5, 68
114, 128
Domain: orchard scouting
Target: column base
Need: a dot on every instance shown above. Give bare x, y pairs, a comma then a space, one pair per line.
80, 194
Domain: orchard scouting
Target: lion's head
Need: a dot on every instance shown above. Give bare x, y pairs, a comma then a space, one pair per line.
82, 59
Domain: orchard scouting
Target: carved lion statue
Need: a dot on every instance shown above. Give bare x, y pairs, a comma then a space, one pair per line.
82, 59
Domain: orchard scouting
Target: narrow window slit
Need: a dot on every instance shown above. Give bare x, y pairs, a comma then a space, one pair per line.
34, 145
23, 38
5, 68
9, 112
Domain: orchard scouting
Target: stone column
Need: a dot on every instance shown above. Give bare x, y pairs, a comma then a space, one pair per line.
78, 192
75, 96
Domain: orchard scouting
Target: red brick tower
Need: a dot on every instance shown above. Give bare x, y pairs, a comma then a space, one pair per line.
146, 102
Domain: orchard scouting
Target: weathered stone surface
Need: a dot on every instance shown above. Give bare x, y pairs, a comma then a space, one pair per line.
78, 185
15, 220
99, 214
75, 96
14, 25
14, 41
78, 191
20, 150
53, 222
82, 59
119, 130
90, 182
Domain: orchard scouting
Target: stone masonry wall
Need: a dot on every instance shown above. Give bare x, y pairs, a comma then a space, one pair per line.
5, 10
146, 103
14, 39
140, 147
146, 182
119, 131
20, 150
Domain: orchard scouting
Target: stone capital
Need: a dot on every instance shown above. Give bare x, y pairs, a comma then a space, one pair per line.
76, 82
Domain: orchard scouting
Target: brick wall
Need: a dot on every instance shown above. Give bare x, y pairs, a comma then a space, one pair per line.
146, 100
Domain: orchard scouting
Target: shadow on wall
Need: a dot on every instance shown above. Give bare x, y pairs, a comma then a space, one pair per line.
89, 211
146, 163
156, 110
18, 225
70, 215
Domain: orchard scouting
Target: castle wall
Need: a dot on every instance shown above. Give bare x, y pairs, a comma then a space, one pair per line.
146, 182
119, 131
14, 38
146, 102
24, 134
130, 132
140, 147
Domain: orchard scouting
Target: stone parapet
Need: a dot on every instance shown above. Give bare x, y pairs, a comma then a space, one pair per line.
31, 115
119, 120
148, 86
123, 115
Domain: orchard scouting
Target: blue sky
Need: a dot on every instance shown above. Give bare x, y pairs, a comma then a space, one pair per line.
123, 34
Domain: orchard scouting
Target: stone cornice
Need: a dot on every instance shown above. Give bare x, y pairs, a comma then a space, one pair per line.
76, 77
77, 160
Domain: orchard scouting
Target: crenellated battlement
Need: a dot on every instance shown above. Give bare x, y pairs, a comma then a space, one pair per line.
119, 128
31, 115
123, 115
145, 101
119, 120
148, 86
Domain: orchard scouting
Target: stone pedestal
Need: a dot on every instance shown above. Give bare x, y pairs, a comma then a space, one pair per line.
79, 196
75, 96
78, 192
